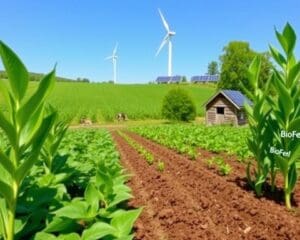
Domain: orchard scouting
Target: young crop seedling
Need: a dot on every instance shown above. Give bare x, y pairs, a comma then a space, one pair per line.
225, 169
160, 166
140, 149
192, 153
210, 163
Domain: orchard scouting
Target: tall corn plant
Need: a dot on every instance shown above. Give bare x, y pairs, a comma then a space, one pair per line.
286, 108
26, 127
272, 113
261, 134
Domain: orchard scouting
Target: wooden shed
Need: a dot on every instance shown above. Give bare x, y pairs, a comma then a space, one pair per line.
226, 107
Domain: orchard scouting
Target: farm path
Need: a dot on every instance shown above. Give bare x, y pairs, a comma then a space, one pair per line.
187, 201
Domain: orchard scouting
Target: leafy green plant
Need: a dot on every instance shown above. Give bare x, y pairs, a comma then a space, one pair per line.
210, 162
26, 126
184, 138
160, 166
192, 153
261, 134
178, 106
50, 148
225, 169
286, 108
98, 212
273, 113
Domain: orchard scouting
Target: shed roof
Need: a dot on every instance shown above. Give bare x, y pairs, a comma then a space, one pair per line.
235, 97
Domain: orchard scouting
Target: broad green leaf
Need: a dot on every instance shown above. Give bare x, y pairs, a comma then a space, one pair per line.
8, 128
295, 125
283, 42
3, 216
290, 38
5, 92
6, 191
6, 163
38, 141
44, 236
36, 99
123, 221
20, 224
74, 210
284, 98
61, 224
31, 126
120, 197
254, 71
16, 71
91, 195
70, 236
294, 75
277, 56
97, 231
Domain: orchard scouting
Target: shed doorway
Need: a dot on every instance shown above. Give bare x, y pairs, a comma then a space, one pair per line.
220, 116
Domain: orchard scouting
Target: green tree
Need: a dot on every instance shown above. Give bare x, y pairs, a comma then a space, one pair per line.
235, 63
213, 68
184, 80
178, 106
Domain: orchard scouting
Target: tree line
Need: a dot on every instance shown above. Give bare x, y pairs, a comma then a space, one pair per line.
35, 77
235, 61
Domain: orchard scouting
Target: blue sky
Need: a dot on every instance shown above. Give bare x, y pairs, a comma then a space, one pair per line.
79, 34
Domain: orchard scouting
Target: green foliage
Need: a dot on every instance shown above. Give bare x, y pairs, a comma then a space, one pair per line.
272, 114
261, 132
137, 101
213, 68
218, 162
139, 148
186, 138
235, 62
160, 166
26, 126
178, 106
88, 204
53, 195
225, 169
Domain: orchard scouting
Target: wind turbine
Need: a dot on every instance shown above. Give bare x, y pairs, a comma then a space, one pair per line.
114, 58
167, 39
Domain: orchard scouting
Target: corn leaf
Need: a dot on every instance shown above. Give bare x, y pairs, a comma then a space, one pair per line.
16, 71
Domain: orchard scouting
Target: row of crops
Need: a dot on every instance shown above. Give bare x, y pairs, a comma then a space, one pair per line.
53, 187
187, 138
79, 195
92, 100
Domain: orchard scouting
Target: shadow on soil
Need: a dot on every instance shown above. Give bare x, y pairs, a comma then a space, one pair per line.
276, 196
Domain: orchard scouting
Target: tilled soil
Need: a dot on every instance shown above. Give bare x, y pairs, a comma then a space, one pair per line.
188, 201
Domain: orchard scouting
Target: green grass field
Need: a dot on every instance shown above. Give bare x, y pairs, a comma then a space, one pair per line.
101, 102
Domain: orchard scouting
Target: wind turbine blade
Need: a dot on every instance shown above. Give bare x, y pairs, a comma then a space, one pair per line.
166, 25
115, 49
165, 40
107, 58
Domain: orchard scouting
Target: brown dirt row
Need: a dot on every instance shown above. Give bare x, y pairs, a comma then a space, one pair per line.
239, 173
232, 211
167, 213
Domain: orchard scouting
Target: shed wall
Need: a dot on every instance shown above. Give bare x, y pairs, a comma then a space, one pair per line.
230, 111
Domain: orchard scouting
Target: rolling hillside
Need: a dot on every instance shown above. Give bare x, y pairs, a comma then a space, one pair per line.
101, 102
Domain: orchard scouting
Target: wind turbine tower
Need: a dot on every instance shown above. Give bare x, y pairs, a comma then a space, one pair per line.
114, 58
167, 39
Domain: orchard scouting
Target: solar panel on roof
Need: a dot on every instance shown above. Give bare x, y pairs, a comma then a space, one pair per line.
237, 97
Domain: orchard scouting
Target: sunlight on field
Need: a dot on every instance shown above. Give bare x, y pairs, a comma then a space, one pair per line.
101, 102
